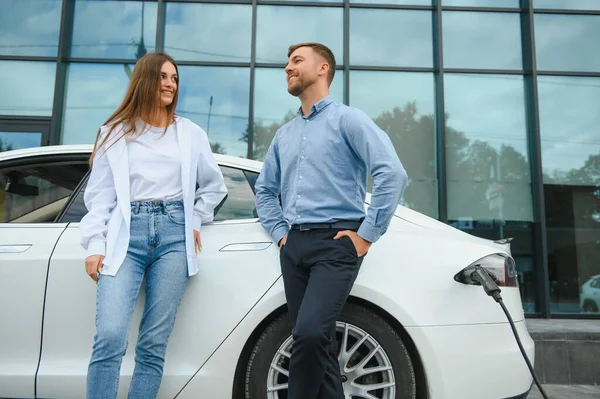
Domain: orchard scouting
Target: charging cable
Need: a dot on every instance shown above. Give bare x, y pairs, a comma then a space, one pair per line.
482, 276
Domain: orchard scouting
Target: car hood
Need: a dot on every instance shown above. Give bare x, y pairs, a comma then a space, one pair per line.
442, 229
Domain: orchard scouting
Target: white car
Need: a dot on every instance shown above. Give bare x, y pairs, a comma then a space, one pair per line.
590, 295
410, 329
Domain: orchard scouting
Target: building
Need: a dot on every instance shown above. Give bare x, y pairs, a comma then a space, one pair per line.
492, 104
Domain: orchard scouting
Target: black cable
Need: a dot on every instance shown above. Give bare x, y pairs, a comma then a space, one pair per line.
514, 330
483, 277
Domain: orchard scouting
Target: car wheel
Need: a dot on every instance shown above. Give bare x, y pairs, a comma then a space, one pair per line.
590, 306
374, 362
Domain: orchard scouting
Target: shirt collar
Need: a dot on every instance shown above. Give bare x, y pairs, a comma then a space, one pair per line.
317, 107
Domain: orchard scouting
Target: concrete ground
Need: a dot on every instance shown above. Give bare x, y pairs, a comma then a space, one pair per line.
566, 392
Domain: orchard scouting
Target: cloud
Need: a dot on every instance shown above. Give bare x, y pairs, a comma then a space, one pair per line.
378, 92
30, 27
489, 108
569, 121
94, 91
230, 89
280, 26
208, 32
482, 40
408, 2
27, 87
483, 3
399, 38
568, 5
567, 42
106, 29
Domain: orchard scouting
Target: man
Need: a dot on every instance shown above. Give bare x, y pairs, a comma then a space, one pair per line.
318, 164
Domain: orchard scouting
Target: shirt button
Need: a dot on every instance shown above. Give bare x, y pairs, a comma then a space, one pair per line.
303, 138
301, 177
302, 157
298, 216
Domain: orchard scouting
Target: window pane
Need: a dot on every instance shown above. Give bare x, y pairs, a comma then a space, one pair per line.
313, 1
569, 123
77, 210
378, 44
27, 87
94, 91
405, 110
489, 183
240, 202
567, 42
280, 26
481, 3
401, 2
568, 5
19, 140
30, 27
208, 32
482, 40
274, 106
216, 98
37, 194
113, 29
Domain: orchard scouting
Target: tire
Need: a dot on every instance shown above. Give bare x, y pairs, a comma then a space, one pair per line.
590, 307
358, 320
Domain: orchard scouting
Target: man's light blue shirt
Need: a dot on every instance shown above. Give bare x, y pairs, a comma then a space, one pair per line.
319, 163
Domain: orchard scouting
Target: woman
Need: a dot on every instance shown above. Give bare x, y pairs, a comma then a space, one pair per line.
144, 221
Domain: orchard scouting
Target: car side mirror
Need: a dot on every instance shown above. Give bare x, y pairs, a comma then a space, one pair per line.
15, 184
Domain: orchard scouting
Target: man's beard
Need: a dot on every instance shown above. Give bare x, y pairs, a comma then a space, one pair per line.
299, 86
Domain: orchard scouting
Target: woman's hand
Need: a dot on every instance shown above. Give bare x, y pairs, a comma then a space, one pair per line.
197, 242
93, 266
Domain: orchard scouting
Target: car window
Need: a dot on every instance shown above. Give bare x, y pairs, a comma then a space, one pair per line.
252, 177
595, 283
36, 193
77, 209
239, 203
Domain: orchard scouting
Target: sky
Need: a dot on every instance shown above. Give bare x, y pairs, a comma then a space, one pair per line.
484, 107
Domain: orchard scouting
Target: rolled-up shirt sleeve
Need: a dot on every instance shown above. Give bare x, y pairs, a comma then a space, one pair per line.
100, 198
375, 148
211, 185
268, 188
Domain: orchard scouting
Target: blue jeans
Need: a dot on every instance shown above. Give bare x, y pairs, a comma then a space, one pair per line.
156, 251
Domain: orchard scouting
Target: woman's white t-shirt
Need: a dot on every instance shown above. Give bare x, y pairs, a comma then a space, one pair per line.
147, 151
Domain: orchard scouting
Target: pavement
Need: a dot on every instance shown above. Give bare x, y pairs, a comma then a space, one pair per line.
566, 392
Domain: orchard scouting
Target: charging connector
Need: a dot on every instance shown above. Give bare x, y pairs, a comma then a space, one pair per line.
490, 287
483, 277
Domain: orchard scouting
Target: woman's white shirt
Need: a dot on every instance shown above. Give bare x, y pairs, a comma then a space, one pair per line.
155, 147
105, 228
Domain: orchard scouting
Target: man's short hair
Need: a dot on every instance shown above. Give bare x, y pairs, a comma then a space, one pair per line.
323, 51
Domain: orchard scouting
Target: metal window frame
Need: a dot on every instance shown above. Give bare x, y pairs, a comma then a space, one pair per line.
540, 250
62, 65
28, 124
440, 112
529, 71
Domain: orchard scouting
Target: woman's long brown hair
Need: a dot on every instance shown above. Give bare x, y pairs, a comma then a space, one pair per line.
142, 99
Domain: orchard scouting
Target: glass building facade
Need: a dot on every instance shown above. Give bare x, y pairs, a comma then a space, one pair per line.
492, 105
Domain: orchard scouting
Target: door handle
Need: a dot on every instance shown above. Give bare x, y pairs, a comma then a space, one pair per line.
14, 249
249, 246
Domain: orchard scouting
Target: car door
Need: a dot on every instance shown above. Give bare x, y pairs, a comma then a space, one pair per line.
237, 265
32, 192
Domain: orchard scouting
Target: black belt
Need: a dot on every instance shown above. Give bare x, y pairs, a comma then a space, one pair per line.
349, 225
